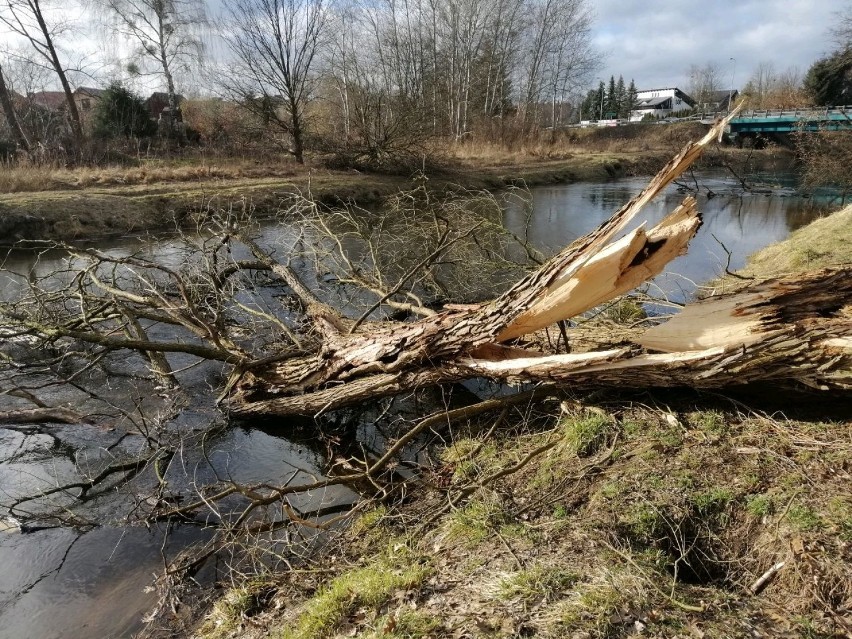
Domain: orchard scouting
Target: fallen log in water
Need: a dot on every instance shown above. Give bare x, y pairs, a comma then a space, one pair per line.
309, 357
795, 329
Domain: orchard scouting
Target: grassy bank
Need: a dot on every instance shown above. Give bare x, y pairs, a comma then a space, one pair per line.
669, 514
38, 203
115, 209
641, 515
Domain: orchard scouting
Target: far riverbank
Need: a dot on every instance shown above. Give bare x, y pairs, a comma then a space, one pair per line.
81, 205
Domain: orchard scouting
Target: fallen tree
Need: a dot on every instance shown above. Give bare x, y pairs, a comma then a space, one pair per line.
115, 340
797, 329
310, 357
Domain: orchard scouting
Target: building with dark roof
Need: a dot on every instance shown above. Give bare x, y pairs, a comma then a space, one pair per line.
660, 103
158, 101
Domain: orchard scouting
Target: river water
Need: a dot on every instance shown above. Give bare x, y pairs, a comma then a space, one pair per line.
62, 583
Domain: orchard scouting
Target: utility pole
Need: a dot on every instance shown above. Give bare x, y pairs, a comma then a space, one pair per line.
731, 90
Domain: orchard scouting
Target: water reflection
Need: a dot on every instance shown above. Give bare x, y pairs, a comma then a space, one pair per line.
740, 221
59, 584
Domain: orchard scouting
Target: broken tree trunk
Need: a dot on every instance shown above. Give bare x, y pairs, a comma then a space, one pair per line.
797, 329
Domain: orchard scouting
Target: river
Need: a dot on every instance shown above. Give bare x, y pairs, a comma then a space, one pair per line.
68, 584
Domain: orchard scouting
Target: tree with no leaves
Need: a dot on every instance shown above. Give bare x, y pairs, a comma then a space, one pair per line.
703, 82
275, 44
167, 34
26, 18
317, 355
842, 31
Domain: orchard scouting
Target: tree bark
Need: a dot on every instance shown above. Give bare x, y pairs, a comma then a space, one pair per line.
797, 329
53, 56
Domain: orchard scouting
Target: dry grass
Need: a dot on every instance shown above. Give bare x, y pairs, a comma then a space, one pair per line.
569, 143
30, 178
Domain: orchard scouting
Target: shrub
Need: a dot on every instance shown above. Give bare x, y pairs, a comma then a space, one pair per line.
120, 113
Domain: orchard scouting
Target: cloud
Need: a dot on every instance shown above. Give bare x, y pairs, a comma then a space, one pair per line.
655, 43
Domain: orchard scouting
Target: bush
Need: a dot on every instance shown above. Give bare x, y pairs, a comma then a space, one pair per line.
120, 113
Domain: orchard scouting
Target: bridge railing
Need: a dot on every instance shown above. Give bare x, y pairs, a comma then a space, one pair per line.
770, 113
796, 113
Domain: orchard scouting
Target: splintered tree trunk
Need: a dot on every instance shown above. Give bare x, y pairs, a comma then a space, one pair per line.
788, 329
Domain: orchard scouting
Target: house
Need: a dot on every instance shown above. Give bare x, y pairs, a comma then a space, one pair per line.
660, 103
86, 98
158, 102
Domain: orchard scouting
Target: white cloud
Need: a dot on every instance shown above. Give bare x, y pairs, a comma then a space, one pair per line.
655, 43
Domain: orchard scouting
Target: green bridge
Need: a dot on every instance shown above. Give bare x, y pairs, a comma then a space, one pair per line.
792, 120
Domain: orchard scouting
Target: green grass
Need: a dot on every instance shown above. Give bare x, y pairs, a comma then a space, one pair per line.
804, 518
476, 521
712, 501
584, 436
407, 624
759, 506
712, 422
367, 587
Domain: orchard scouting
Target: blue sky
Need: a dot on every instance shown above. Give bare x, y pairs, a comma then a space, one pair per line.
655, 42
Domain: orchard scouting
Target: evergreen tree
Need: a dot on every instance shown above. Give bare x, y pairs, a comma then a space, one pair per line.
120, 113
620, 98
829, 81
613, 102
595, 99
588, 109
630, 98
611, 109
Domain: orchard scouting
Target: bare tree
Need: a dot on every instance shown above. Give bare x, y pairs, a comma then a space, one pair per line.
11, 115
704, 81
761, 85
788, 89
275, 45
842, 31
379, 87
464, 62
324, 353
26, 76
27, 19
569, 58
167, 34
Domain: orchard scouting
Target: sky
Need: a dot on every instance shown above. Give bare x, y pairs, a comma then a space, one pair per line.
655, 42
